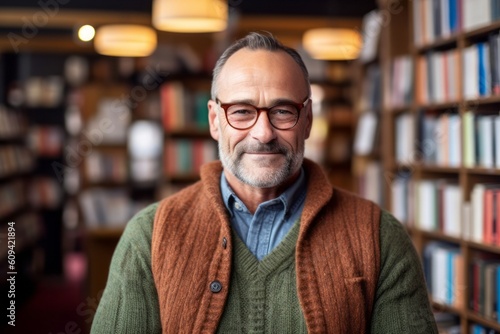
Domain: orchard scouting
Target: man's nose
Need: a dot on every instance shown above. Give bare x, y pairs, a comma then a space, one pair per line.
263, 130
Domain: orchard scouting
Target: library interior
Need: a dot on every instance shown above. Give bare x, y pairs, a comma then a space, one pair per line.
103, 111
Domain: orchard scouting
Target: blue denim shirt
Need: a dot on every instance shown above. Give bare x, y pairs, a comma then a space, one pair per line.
264, 230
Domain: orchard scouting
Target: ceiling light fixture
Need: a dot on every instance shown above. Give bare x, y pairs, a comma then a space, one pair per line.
86, 33
190, 15
125, 40
332, 43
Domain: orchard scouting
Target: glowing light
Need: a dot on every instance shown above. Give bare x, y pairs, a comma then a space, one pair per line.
86, 33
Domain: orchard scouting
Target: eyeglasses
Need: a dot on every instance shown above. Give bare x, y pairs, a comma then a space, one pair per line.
242, 116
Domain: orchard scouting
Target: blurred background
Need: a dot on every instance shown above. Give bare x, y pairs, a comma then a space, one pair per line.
103, 111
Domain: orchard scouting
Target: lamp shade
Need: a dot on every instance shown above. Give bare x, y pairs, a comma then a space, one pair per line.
332, 43
125, 40
190, 15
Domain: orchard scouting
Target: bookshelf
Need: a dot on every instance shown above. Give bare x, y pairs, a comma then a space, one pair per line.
331, 138
187, 141
367, 162
21, 227
441, 176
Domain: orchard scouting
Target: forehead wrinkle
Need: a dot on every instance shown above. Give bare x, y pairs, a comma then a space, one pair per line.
251, 69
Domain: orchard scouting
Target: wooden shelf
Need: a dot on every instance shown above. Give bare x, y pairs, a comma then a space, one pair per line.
483, 171
440, 106
482, 31
438, 236
493, 99
439, 169
397, 39
439, 43
483, 321
483, 247
447, 308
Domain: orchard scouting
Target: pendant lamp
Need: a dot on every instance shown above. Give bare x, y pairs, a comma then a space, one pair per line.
332, 43
190, 15
125, 40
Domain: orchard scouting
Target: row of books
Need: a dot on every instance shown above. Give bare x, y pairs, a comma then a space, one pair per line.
106, 166
401, 93
46, 140
405, 132
12, 196
107, 207
480, 329
440, 205
444, 273
370, 180
436, 203
47, 92
15, 159
484, 283
481, 137
110, 123
481, 68
482, 213
371, 98
182, 107
439, 139
12, 124
439, 142
45, 192
447, 323
434, 19
437, 77
185, 156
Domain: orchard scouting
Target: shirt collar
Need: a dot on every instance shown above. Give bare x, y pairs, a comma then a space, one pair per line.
291, 197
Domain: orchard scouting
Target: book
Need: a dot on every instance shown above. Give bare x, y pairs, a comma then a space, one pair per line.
470, 72
366, 132
484, 69
371, 27
485, 141
496, 132
469, 139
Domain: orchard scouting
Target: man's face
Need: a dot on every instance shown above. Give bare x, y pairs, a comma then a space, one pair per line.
261, 156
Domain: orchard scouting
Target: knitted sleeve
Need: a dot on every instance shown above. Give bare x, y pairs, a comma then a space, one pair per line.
401, 301
129, 303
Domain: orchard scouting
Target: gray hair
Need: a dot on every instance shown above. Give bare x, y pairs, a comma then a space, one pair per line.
257, 41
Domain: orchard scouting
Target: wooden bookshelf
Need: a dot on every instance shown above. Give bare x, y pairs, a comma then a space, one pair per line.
184, 118
397, 40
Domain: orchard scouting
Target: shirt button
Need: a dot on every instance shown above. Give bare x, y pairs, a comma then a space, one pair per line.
215, 286
237, 206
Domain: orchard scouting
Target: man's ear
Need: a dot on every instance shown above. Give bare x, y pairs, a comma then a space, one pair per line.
213, 120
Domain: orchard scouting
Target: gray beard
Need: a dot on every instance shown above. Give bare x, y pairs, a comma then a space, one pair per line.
234, 164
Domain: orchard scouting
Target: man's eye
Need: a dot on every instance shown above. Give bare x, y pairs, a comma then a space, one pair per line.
285, 110
241, 111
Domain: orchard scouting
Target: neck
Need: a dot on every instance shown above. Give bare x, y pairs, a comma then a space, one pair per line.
253, 196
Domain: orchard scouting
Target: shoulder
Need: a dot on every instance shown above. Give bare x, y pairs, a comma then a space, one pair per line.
356, 207
396, 245
139, 229
391, 229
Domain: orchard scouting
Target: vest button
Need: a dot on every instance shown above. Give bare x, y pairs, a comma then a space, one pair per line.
215, 286
224, 242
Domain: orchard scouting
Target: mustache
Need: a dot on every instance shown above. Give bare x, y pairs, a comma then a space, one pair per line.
271, 147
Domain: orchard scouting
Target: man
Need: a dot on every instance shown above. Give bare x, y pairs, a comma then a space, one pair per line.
263, 243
